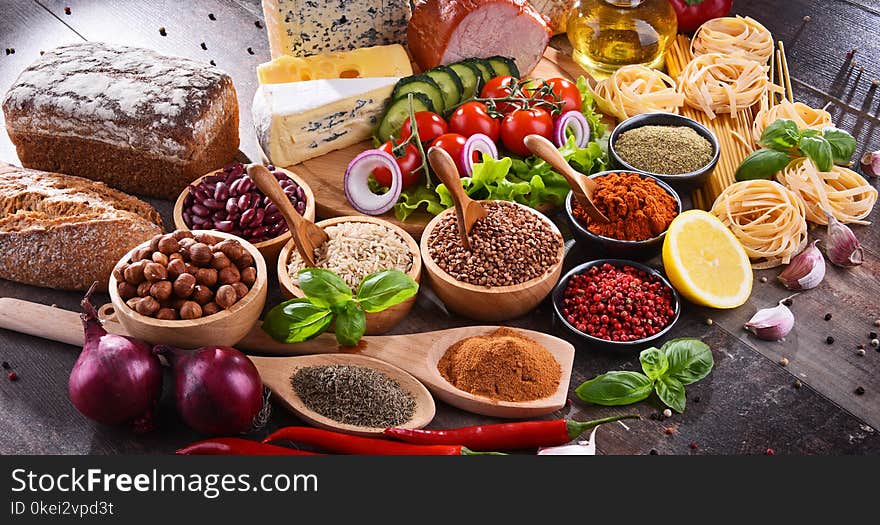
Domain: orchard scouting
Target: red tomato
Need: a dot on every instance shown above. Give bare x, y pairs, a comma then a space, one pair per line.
409, 165
566, 92
451, 143
517, 125
471, 118
691, 14
499, 87
431, 126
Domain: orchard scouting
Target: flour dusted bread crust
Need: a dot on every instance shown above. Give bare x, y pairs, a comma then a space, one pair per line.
66, 232
139, 121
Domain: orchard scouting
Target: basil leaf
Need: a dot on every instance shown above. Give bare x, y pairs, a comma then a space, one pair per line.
297, 320
762, 164
819, 151
323, 287
351, 322
671, 392
382, 290
781, 135
615, 388
843, 145
689, 359
654, 362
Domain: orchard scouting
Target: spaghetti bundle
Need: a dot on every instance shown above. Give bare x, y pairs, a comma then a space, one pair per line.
841, 192
767, 218
633, 90
715, 83
803, 115
734, 36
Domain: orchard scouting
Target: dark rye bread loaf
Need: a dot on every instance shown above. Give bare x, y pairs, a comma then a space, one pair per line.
66, 232
141, 122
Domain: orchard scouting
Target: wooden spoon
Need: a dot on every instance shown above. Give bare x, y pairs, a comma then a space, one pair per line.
306, 235
418, 354
581, 186
467, 210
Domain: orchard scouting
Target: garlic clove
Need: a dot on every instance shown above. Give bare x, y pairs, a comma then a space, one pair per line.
871, 163
806, 270
771, 324
582, 448
841, 245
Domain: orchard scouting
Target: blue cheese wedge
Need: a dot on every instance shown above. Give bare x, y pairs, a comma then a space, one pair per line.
297, 121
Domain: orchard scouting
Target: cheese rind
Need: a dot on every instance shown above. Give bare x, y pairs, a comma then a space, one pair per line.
376, 61
298, 121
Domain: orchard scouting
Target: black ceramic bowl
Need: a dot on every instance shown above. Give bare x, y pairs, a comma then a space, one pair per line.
604, 344
639, 250
686, 180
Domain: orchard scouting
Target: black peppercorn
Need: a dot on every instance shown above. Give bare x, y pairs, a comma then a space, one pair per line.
162, 31
5, 365
653, 452
872, 335
211, 16
788, 302
827, 317
860, 391
250, 51
696, 399
829, 340
213, 63
204, 46
258, 24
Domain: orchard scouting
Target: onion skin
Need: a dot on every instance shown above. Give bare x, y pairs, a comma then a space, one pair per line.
116, 380
217, 389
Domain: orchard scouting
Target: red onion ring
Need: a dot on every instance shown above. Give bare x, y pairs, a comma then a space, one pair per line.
356, 182
577, 123
476, 143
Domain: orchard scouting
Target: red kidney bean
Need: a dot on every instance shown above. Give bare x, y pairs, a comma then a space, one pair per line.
247, 216
235, 188
200, 210
189, 199
224, 226
221, 191
300, 194
272, 218
244, 202
213, 204
187, 218
258, 218
199, 221
219, 215
271, 209
231, 205
300, 207
280, 175
259, 232
234, 216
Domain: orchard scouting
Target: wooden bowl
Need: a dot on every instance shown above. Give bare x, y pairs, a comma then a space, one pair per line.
269, 248
379, 322
225, 328
489, 303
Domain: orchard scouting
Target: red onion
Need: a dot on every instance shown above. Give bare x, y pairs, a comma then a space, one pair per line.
356, 182
476, 143
217, 389
870, 162
116, 380
577, 123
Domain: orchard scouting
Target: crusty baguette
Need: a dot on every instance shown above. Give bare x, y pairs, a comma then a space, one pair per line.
65, 232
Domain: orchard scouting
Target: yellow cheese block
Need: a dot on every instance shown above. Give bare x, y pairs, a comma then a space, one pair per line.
376, 61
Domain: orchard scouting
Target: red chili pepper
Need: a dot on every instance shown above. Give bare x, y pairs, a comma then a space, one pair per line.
346, 444
504, 436
229, 446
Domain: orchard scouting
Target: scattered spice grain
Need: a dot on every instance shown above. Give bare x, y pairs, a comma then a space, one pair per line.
770, 452
693, 445
829, 340
211, 16
204, 46
66, 10
875, 343
827, 317
258, 24
783, 361
162, 31
872, 335
763, 279
653, 452
665, 150
788, 302
709, 321
860, 391
876, 322
797, 383
12, 376
250, 51
503, 365
6, 365
860, 352
212, 63
667, 413
669, 431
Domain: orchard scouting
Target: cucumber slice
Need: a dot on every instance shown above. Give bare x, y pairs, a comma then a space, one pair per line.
504, 66
485, 68
449, 84
398, 111
420, 84
471, 79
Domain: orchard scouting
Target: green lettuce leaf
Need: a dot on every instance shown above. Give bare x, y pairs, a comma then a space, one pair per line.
588, 108
417, 197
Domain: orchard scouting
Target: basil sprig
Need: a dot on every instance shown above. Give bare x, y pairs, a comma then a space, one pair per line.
329, 301
667, 370
783, 142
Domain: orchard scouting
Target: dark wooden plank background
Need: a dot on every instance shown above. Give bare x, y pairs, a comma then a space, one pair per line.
748, 404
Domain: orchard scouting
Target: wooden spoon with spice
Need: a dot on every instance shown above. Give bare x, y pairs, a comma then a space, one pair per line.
467, 210
581, 186
306, 235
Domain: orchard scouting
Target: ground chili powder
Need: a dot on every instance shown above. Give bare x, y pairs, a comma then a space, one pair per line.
638, 208
504, 365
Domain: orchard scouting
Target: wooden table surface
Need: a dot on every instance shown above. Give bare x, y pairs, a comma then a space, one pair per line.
749, 403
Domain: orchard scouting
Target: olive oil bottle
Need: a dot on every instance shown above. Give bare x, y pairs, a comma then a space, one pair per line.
609, 34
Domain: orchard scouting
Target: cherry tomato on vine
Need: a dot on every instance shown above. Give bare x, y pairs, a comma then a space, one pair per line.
692, 13
566, 92
409, 165
523, 122
431, 126
471, 118
499, 87
451, 143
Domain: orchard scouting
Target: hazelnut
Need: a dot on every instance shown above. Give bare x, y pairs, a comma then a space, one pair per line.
186, 244
205, 238
220, 261
206, 276
141, 254
147, 306
231, 248
155, 272
249, 276
245, 260
190, 310
159, 258
154, 242
229, 275
177, 304
184, 285
125, 290
168, 314
240, 289
132, 303
202, 294
181, 234
143, 289
200, 254
161, 291
191, 268
119, 272
175, 257
176, 267
226, 296
210, 309
134, 273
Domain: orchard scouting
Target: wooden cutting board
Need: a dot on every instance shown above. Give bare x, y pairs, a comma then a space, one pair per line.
325, 174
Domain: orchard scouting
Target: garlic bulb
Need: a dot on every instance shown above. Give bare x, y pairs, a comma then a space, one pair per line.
806, 270
871, 164
772, 324
841, 246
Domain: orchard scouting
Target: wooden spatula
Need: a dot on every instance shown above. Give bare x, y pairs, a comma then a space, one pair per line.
467, 210
306, 235
581, 186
